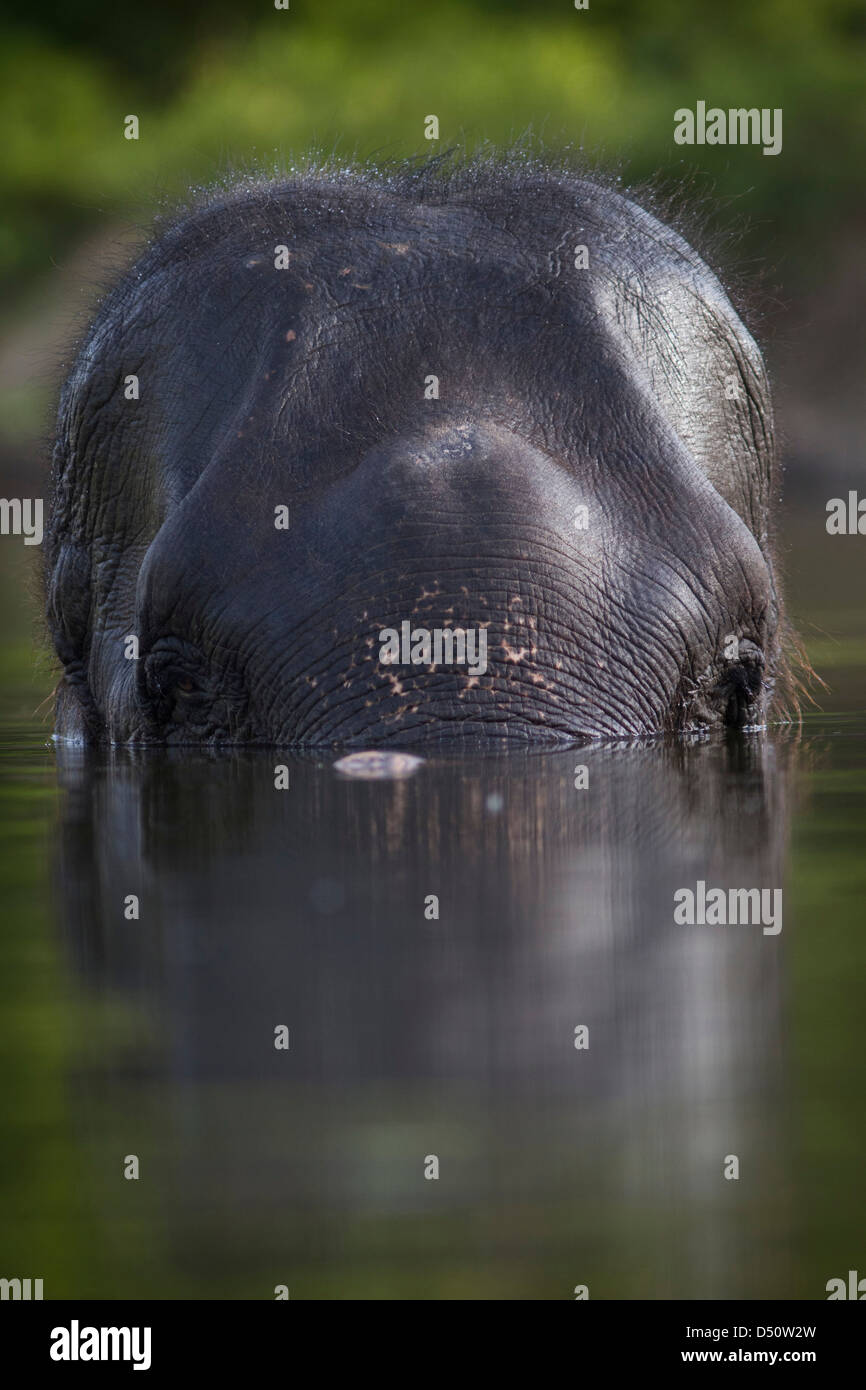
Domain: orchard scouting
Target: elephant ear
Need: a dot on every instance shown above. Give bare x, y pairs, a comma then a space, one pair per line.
702, 366
102, 504
66, 562
84, 532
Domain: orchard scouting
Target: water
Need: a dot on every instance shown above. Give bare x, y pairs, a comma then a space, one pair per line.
412, 1037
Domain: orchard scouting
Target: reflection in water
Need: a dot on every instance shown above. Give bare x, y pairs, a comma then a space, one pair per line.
413, 1036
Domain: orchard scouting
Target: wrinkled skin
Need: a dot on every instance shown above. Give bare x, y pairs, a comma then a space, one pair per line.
629, 387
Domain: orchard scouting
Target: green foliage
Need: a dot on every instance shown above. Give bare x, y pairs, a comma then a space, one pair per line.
221, 84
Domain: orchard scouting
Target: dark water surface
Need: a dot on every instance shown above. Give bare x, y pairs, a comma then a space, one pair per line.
412, 1037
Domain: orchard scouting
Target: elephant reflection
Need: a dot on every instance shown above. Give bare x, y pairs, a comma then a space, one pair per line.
478, 962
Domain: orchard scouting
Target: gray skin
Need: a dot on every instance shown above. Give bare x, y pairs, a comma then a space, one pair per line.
629, 387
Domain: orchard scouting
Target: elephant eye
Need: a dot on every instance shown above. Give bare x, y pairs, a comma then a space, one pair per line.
171, 675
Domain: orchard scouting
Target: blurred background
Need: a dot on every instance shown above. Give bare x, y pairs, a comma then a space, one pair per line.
95, 1049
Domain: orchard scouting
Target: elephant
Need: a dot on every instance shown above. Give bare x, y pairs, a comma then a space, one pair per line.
333, 424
